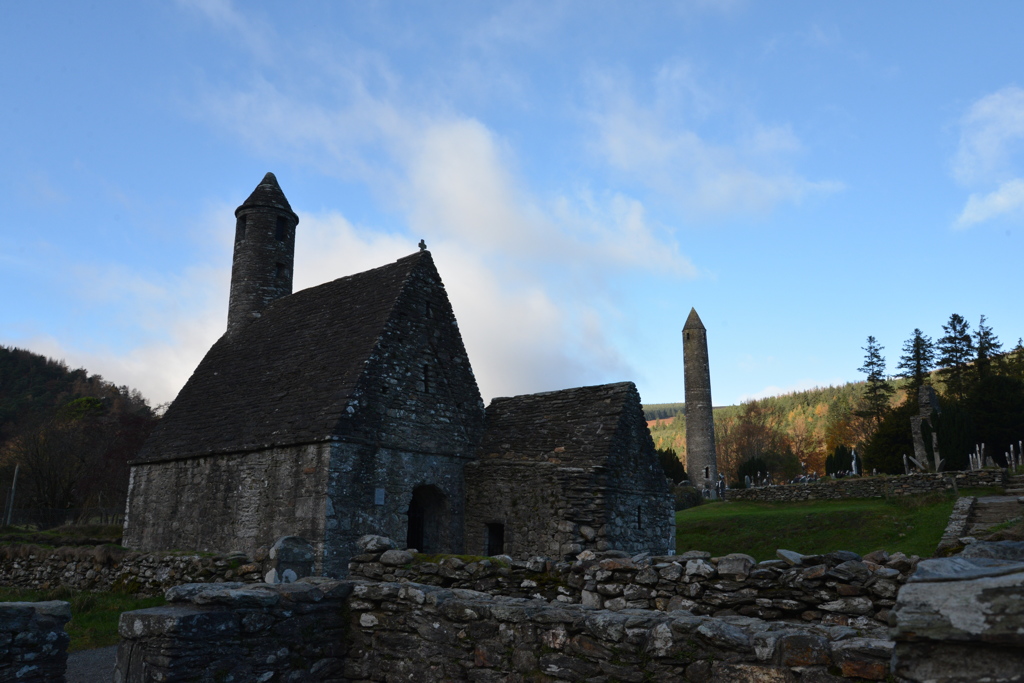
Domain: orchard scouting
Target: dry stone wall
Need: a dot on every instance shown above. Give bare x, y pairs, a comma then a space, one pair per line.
840, 588
871, 487
360, 631
234, 632
102, 569
961, 618
33, 644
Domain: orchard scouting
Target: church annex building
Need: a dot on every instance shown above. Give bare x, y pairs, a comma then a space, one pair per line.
351, 408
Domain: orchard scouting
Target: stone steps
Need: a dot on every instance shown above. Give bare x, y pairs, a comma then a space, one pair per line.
1015, 485
992, 510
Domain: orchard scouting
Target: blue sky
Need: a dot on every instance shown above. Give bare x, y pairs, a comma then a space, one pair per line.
805, 174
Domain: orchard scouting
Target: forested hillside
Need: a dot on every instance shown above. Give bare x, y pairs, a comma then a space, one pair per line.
69, 434
980, 391
796, 429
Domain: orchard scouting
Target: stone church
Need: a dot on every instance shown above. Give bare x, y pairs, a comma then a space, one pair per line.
351, 408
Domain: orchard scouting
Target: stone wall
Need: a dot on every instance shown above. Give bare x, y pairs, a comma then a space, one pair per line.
962, 618
371, 489
838, 588
104, 568
241, 502
956, 527
237, 632
871, 487
407, 631
33, 644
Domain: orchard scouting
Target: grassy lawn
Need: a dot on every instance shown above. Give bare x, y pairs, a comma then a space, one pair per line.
72, 534
911, 524
94, 616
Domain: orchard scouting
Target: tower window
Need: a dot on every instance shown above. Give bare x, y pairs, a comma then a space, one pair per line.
639, 517
428, 387
282, 229
240, 228
281, 270
687, 336
428, 310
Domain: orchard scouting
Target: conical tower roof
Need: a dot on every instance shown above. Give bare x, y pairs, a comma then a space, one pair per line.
693, 321
267, 193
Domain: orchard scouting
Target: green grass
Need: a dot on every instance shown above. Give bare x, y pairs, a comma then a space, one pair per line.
911, 524
94, 616
71, 534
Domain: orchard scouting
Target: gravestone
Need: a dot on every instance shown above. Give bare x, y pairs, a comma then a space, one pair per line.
290, 559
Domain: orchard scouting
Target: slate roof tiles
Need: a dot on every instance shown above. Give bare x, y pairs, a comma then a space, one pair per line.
285, 378
572, 425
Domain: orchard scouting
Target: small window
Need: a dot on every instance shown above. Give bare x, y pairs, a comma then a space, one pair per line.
240, 229
429, 310
707, 472
427, 386
281, 270
687, 336
639, 517
281, 231
495, 539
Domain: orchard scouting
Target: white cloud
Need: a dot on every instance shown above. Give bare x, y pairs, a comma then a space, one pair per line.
180, 319
455, 181
1008, 198
518, 339
991, 131
991, 138
773, 390
255, 35
658, 143
530, 274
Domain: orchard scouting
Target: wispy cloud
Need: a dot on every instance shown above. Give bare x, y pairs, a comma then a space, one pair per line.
527, 270
1008, 198
660, 143
254, 34
991, 139
773, 390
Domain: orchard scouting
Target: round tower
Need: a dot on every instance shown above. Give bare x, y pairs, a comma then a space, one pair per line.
261, 270
701, 459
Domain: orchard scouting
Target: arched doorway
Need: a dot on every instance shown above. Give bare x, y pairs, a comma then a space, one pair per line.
428, 513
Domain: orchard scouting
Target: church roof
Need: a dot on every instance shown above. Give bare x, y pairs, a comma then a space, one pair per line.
575, 426
288, 376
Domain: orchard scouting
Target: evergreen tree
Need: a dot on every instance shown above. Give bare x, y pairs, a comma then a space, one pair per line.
917, 360
878, 389
841, 460
1013, 362
885, 449
674, 469
987, 348
956, 349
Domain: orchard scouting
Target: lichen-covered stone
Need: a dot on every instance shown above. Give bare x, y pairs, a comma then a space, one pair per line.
33, 644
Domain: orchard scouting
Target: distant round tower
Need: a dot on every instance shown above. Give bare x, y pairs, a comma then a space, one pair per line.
264, 252
701, 460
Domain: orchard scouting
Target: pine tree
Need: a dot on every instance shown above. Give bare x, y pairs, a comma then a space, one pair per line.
956, 350
917, 360
987, 347
1013, 362
878, 389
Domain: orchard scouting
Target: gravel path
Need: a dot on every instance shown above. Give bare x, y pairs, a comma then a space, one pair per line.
91, 666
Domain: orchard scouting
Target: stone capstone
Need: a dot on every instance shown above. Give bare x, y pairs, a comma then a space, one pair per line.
371, 543
962, 618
